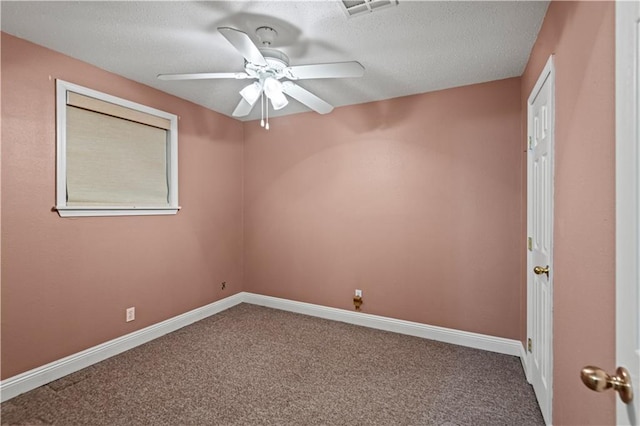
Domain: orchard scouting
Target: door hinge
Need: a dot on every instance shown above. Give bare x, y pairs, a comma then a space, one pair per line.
529, 344
530, 243
529, 142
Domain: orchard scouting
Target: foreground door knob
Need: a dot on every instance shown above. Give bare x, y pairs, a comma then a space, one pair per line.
539, 270
596, 379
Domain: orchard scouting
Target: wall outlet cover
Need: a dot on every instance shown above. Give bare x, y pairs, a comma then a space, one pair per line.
131, 314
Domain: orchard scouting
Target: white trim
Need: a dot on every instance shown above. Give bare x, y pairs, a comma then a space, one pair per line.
115, 211
441, 334
628, 204
62, 87
39, 376
525, 361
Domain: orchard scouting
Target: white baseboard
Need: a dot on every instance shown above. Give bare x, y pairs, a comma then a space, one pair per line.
39, 376
525, 361
441, 334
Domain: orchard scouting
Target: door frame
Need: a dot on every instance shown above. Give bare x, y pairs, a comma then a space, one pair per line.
548, 72
627, 201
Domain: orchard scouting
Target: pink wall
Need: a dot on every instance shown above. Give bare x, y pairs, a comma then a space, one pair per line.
418, 201
67, 282
581, 35
415, 200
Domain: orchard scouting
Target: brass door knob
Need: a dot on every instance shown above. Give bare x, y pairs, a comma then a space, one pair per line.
598, 380
539, 270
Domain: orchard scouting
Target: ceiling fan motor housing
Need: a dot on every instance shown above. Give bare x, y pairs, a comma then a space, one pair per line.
277, 62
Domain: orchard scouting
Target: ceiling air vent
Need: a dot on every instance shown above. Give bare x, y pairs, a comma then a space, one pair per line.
361, 7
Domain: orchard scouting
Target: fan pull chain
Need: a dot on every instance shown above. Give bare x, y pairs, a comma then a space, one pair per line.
267, 125
261, 109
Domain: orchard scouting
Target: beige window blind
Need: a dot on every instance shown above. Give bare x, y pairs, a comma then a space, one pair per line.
113, 157
97, 105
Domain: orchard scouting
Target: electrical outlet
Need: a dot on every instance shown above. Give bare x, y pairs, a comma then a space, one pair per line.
131, 314
358, 293
223, 285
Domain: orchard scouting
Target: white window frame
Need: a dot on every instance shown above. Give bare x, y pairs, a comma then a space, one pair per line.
62, 87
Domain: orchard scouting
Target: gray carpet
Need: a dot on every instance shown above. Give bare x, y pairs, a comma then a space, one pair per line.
252, 365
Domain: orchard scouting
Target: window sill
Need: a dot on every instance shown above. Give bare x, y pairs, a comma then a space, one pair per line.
65, 211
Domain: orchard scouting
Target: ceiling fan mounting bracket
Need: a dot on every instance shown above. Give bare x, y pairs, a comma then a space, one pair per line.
266, 35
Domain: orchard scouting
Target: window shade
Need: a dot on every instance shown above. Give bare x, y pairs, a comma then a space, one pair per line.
97, 105
113, 161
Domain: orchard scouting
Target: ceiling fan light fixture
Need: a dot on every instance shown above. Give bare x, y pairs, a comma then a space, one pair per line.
251, 93
272, 86
279, 101
273, 90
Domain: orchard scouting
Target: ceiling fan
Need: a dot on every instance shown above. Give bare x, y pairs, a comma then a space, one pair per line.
273, 76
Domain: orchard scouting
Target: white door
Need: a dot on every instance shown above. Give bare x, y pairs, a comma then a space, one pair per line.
626, 378
628, 204
540, 124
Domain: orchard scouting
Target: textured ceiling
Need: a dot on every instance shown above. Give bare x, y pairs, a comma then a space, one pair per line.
414, 47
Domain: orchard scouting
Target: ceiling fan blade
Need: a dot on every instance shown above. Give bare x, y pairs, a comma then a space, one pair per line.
243, 109
204, 76
331, 70
243, 44
305, 97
